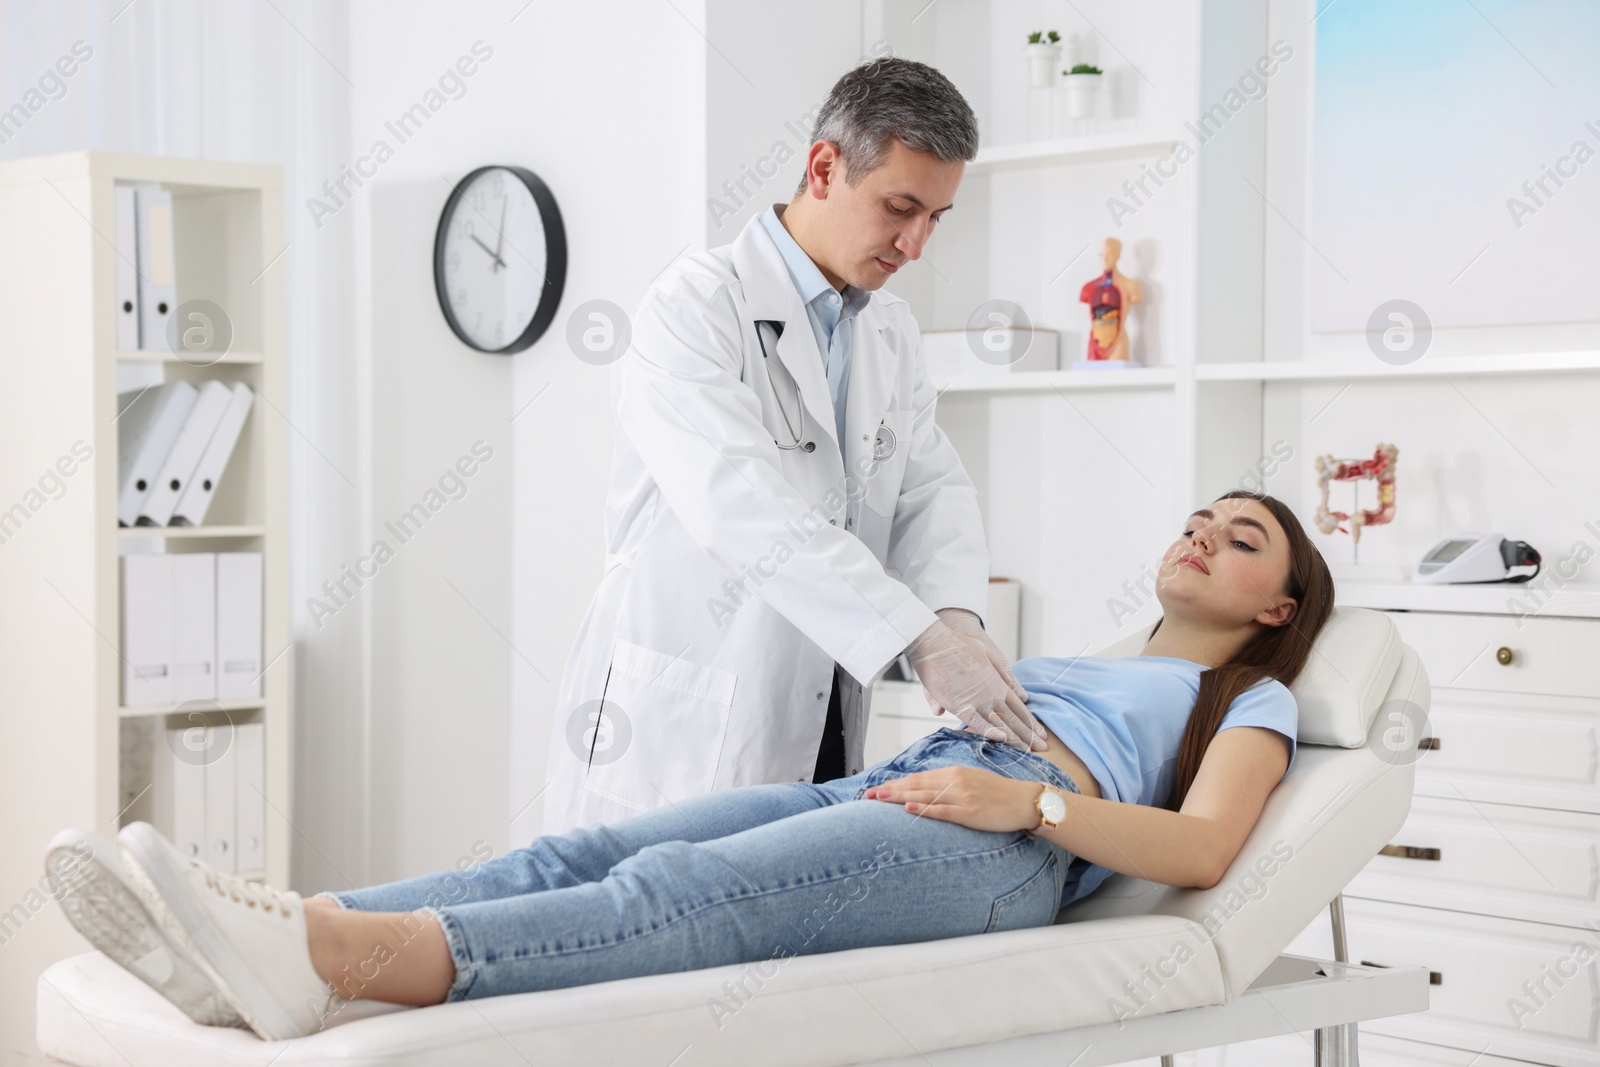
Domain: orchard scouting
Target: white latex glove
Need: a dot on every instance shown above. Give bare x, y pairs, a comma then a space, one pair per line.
966, 624
959, 677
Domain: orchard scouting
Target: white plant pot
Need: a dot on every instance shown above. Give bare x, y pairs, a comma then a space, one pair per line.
1081, 89
1043, 62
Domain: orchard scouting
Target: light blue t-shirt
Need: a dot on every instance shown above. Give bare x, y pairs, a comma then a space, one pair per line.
1125, 719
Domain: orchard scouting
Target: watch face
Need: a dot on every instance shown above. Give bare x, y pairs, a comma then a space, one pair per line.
1053, 806
492, 255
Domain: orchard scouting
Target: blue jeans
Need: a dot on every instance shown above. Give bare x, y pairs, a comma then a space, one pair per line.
742, 875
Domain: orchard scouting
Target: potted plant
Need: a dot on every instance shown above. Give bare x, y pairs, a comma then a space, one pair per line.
1043, 56
1082, 81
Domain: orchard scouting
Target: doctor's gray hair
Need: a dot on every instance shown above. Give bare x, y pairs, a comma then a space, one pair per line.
899, 98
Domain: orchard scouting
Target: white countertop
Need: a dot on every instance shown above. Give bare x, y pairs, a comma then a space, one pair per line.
1545, 596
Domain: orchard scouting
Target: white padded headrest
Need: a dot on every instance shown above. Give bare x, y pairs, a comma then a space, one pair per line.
1352, 664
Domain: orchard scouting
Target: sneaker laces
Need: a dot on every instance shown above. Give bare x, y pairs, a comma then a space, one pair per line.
250, 894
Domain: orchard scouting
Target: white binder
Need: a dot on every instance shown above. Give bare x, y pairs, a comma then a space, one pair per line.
196, 498
146, 629
178, 787
158, 274
249, 791
221, 761
185, 455
127, 269
194, 626
148, 423
238, 625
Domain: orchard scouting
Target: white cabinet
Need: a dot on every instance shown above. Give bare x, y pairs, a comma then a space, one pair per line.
1503, 859
1486, 974
1493, 883
900, 716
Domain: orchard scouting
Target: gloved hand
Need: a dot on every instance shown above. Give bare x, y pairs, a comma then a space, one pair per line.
958, 676
966, 624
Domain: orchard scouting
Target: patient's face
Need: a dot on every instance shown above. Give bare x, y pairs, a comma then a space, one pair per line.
1243, 563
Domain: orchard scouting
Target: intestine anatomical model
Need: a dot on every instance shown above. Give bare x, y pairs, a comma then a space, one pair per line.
1380, 468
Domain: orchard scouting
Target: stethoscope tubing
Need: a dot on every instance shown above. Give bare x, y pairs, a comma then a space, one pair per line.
881, 449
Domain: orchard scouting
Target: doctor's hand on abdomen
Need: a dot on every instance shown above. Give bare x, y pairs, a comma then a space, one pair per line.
960, 678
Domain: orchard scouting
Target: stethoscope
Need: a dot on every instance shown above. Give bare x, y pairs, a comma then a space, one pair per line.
883, 444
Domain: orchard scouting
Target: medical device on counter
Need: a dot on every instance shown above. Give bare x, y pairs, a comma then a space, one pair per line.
1472, 557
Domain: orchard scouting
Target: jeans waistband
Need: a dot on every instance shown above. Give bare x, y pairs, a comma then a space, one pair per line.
1056, 775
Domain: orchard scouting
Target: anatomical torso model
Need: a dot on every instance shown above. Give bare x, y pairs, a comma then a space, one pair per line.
1110, 297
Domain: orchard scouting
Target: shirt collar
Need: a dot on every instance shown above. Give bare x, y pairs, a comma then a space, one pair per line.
803, 272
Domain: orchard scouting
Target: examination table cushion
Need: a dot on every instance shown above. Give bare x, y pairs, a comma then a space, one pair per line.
831, 1008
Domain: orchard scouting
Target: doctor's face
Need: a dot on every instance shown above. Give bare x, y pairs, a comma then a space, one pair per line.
873, 228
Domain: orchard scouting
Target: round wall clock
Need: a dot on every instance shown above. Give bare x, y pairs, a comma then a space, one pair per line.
499, 259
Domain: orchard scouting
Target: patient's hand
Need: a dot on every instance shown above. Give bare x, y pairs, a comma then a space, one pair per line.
970, 796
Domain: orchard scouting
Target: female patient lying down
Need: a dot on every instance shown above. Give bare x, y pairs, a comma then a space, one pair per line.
943, 840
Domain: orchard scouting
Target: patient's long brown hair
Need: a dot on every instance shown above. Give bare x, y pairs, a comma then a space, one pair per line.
1275, 651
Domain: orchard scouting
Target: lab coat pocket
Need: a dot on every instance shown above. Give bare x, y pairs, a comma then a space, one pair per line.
885, 461
666, 718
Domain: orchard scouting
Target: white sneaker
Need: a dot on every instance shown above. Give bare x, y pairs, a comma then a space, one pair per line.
249, 937
95, 894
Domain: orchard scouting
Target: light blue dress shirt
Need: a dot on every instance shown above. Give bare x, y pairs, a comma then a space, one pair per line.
832, 315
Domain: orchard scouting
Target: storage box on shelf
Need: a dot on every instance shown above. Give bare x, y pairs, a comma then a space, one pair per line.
60, 635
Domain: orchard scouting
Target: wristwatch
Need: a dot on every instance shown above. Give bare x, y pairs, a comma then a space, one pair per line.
1052, 807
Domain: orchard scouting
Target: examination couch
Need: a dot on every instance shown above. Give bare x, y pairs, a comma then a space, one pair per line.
1134, 971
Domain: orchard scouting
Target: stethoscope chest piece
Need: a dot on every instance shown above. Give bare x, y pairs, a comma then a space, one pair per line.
883, 445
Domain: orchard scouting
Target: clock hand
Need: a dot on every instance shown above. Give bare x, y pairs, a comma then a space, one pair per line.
487, 249
502, 230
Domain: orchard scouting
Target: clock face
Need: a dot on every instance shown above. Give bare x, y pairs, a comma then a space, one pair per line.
499, 258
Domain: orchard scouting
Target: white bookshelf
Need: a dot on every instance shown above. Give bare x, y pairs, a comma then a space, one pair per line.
1040, 381
1091, 148
1343, 370
60, 664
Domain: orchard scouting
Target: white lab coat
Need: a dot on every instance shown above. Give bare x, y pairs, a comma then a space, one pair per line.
680, 681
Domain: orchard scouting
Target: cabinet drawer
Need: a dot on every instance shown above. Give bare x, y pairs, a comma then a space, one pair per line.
1493, 859
1551, 656
1482, 963
1542, 751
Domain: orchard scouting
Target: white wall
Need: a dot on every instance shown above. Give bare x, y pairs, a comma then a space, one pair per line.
471, 631
760, 100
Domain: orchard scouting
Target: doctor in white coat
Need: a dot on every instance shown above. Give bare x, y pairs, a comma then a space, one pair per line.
785, 517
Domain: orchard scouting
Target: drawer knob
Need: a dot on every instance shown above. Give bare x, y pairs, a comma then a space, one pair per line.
1434, 977
1429, 743
1504, 656
1409, 852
